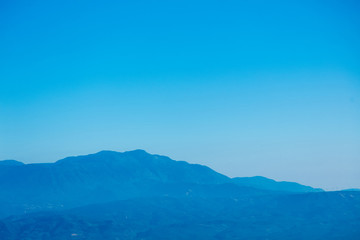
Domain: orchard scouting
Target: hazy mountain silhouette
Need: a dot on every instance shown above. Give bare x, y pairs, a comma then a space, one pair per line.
137, 195
269, 184
10, 163
106, 176
109, 176
351, 190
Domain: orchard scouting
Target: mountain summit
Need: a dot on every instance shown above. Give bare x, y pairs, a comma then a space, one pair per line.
10, 163
136, 195
109, 176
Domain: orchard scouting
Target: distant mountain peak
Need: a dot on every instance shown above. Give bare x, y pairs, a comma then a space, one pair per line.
351, 190
107, 155
136, 152
10, 163
270, 184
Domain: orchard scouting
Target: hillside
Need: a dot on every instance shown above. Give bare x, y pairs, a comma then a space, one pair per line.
301, 216
137, 195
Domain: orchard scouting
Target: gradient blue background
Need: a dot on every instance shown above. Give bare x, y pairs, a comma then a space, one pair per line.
248, 88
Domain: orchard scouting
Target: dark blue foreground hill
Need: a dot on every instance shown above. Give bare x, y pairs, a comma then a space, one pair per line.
331, 216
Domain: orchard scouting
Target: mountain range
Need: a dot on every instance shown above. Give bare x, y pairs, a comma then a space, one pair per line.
137, 195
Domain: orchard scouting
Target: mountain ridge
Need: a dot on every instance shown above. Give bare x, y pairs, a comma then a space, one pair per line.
141, 152
136, 195
10, 162
108, 176
271, 184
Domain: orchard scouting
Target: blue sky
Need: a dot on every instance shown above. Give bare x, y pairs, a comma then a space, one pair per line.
248, 88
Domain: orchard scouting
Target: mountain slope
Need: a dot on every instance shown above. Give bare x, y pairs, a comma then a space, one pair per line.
136, 195
333, 215
109, 176
10, 163
269, 184
105, 176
